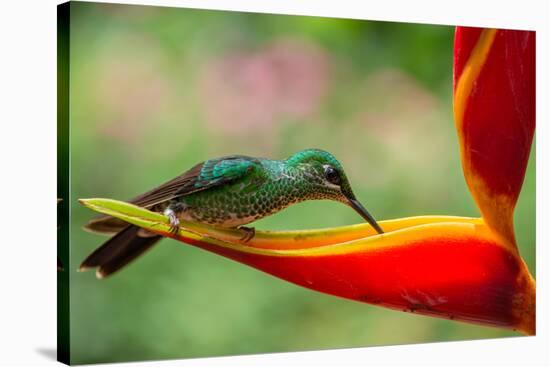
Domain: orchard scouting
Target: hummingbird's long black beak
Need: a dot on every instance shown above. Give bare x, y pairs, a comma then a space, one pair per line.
355, 204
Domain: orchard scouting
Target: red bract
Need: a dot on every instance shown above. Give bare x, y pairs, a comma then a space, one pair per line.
456, 270
494, 85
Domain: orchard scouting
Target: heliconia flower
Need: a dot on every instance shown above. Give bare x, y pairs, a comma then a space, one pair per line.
466, 269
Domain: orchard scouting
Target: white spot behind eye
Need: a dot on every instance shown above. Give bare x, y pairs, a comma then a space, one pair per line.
328, 166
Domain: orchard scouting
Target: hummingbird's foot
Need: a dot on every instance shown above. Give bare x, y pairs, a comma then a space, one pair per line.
174, 221
248, 233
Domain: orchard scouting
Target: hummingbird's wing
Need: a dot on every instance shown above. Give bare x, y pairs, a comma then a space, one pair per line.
205, 175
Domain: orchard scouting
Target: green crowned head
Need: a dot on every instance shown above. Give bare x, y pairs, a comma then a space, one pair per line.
325, 174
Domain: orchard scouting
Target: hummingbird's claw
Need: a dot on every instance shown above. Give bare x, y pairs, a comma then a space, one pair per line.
248, 233
174, 221
174, 229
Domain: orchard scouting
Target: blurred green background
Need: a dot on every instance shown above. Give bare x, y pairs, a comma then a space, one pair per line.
155, 90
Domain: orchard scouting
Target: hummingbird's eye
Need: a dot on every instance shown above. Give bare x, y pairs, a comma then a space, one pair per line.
332, 175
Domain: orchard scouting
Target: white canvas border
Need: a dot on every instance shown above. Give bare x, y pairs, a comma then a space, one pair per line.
28, 161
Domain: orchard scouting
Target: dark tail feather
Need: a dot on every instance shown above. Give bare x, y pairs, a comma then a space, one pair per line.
118, 251
105, 224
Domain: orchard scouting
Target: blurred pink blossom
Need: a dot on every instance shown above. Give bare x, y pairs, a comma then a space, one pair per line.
255, 90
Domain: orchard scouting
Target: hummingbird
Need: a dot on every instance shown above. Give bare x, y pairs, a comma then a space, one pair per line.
227, 192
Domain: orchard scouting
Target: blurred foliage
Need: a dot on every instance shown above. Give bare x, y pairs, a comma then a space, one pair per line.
155, 90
